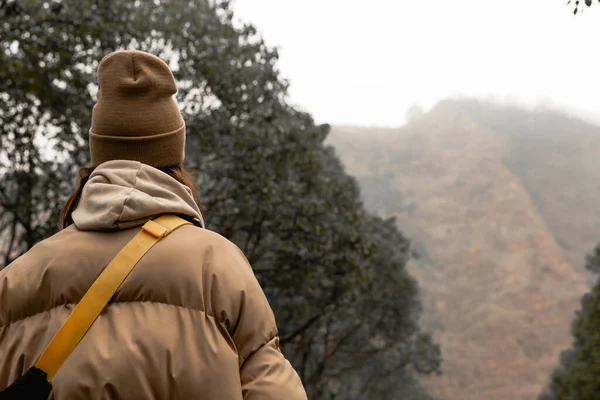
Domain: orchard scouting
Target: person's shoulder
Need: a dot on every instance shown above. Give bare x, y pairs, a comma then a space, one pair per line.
41, 250
205, 239
216, 252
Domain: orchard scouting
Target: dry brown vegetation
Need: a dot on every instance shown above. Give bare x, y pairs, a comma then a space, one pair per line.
502, 206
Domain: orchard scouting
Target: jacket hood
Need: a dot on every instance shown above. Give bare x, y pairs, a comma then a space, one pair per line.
121, 194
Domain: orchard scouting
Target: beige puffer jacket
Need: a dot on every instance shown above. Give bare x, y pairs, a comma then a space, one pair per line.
190, 322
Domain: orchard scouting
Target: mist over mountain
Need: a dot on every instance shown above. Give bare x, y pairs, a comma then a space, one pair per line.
501, 204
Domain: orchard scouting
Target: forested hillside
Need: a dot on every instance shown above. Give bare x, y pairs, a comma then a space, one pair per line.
500, 204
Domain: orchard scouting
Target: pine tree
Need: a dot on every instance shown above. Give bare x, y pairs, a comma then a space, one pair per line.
578, 376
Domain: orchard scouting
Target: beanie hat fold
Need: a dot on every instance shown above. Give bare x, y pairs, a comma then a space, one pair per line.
166, 149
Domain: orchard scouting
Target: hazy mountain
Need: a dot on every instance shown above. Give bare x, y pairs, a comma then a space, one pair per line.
502, 205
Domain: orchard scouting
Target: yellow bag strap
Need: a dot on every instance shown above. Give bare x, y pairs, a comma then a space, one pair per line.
102, 290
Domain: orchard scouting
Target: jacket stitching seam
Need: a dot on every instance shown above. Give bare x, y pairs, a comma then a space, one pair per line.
251, 353
114, 302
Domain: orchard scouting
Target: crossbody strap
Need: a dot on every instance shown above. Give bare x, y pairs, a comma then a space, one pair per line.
102, 290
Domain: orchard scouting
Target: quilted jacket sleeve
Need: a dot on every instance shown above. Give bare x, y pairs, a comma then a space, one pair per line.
266, 374
240, 304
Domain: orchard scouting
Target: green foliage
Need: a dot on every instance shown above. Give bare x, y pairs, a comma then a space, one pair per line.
578, 375
592, 261
346, 307
382, 194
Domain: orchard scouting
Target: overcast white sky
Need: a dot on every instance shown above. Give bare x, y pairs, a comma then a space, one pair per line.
365, 62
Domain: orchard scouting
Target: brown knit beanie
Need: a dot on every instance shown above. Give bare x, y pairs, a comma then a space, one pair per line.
136, 116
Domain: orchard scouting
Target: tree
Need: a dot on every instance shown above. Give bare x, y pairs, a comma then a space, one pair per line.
266, 179
578, 375
48, 52
413, 112
577, 4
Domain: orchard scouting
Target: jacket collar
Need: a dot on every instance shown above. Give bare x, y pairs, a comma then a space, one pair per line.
122, 194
